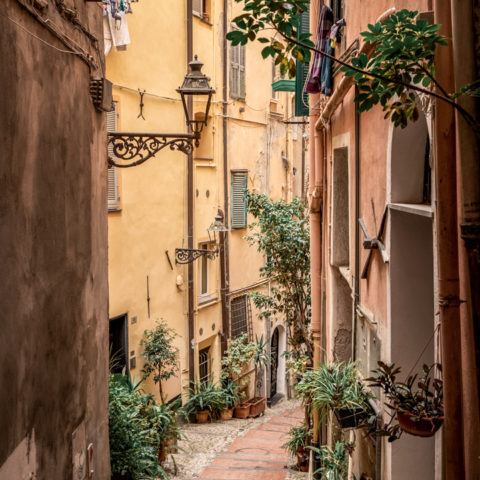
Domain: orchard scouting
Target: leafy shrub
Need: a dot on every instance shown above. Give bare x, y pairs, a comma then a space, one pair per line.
135, 430
203, 396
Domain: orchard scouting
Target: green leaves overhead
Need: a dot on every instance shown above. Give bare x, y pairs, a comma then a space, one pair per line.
282, 19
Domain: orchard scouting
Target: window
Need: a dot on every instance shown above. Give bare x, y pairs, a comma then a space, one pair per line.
204, 365
240, 317
301, 97
237, 71
118, 341
239, 199
198, 7
113, 198
204, 274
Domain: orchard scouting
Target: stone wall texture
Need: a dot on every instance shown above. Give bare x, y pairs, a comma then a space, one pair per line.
53, 247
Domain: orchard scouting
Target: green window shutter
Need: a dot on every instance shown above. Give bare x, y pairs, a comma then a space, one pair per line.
301, 98
239, 200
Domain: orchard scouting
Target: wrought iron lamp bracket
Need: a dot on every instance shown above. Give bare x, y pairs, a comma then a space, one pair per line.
137, 148
189, 255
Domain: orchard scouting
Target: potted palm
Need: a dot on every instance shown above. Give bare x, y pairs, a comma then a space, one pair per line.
204, 400
260, 359
416, 405
336, 387
295, 445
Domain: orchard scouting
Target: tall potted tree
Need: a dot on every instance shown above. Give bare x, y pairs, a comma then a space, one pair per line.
160, 353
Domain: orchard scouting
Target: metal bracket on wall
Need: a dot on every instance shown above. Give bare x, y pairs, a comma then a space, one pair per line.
137, 148
189, 255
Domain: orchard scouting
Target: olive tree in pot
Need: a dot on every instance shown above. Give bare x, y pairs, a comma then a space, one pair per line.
416, 405
261, 357
160, 354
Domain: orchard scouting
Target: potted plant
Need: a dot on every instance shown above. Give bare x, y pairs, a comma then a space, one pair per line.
229, 398
160, 354
295, 445
334, 462
336, 387
417, 405
204, 399
260, 358
234, 363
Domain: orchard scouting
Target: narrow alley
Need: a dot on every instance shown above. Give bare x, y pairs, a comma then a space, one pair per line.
248, 449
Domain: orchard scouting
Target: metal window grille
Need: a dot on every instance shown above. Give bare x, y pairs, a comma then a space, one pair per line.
237, 71
112, 172
240, 317
204, 365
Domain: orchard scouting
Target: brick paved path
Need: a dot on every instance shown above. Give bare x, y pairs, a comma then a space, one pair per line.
258, 455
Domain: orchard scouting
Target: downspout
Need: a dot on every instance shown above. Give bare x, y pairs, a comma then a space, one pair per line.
356, 296
315, 197
225, 258
191, 317
466, 71
302, 176
447, 246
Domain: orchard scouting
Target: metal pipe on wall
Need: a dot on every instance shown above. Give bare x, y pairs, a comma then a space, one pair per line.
466, 71
191, 314
447, 247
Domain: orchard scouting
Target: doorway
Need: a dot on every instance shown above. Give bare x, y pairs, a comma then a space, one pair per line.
274, 364
118, 340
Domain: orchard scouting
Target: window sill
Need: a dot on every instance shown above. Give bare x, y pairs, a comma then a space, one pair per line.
204, 302
413, 208
114, 210
199, 17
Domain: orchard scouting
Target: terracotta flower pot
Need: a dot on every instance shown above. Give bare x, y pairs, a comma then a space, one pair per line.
170, 445
302, 461
226, 414
242, 411
425, 427
202, 416
257, 406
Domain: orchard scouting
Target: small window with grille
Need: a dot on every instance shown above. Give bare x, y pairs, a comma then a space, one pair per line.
204, 365
240, 317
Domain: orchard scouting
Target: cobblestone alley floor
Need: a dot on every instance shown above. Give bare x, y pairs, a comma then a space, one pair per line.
239, 449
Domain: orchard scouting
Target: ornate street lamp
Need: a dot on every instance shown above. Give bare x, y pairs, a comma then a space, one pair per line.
134, 148
188, 255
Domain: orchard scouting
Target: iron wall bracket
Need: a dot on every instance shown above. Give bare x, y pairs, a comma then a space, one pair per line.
136, 148
189, 255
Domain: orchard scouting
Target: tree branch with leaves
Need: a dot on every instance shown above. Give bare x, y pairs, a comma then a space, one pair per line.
402, 64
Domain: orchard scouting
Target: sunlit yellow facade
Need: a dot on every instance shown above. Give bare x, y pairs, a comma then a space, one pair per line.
151, 219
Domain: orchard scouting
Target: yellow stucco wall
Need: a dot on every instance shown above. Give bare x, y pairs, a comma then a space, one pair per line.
153, 196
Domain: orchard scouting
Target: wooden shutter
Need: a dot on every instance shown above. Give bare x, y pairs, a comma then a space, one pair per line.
113, 203
237, 71
301, 98
239, 200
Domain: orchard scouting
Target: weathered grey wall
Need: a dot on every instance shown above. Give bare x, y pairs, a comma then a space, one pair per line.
53, 250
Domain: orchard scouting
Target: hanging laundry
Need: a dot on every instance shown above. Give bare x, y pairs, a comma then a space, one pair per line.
115, 25
324, 25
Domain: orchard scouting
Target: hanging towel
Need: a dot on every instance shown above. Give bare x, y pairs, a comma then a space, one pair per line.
324, 25
119, 31
326, 77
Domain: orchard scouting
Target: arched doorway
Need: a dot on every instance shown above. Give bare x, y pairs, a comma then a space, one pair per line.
278, 345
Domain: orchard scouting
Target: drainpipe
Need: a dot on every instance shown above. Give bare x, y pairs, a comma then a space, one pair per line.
447, 246
191, 317
225, 264
356, 296
466, 71
302, 176
315, 194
